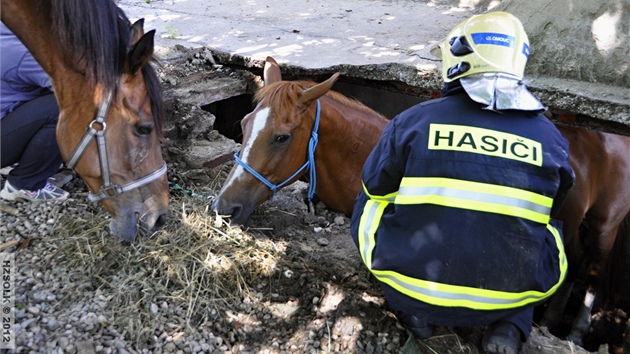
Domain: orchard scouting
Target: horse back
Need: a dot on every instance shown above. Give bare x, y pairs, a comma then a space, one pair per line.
601, 162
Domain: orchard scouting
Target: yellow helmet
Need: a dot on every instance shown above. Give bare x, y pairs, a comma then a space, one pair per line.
491, 42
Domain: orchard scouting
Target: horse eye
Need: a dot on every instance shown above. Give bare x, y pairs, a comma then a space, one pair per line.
143, 129
282, 138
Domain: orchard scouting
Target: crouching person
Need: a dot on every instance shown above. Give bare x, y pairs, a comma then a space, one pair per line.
455, 217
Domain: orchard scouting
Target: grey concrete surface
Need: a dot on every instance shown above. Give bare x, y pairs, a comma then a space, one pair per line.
390, 40
307, 33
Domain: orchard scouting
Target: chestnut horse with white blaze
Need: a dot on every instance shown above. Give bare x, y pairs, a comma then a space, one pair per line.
290, 117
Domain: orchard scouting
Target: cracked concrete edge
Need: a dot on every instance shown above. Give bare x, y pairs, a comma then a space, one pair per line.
608, 106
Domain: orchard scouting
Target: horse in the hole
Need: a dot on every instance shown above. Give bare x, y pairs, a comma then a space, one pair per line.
108, 92
279, 134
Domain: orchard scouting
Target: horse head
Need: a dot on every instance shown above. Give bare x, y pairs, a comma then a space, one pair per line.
109, 100
132, 134
136, 192
276, 136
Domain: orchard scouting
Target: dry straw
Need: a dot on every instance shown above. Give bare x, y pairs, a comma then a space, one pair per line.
198, 265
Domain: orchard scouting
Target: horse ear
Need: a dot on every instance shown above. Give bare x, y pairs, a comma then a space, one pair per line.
136, 31
317, 91
271, 71
141, 52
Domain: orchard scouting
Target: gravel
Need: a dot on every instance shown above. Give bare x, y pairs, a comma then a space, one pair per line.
60, 310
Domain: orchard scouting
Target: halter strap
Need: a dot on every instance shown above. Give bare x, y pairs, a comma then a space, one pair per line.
87, 137
106, 192
309, 164
108, 189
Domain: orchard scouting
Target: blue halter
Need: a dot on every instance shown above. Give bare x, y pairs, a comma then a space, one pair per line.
309, 164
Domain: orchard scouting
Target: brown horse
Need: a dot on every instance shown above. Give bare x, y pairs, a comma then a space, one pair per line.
276, 139
107, 91
597, 205
278, 134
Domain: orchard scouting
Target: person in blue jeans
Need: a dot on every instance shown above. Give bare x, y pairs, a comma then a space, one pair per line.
28, 122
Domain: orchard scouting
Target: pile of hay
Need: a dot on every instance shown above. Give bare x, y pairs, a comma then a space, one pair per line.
198, 263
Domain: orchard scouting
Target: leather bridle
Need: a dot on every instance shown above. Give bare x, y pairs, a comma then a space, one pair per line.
108, 189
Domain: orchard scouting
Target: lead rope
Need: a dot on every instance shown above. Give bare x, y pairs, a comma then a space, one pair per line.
312, 144
178, 188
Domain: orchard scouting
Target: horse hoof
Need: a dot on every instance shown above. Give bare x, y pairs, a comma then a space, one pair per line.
501, 337
413, 324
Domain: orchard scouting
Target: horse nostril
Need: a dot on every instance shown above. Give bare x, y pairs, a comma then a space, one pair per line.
233, 212
161, 221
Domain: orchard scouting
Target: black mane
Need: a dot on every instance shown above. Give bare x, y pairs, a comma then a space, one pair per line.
95, 36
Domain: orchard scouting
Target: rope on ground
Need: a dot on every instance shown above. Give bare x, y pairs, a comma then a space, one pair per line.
175, 187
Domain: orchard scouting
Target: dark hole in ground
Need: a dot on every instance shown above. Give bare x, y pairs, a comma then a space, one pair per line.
229, 112
385, 102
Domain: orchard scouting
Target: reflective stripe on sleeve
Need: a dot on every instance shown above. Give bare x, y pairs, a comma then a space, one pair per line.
440, 294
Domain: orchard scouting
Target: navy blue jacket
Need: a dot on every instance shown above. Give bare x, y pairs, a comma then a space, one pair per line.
472, 213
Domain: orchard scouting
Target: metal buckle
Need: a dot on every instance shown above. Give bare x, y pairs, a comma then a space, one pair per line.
103, 125
110, 191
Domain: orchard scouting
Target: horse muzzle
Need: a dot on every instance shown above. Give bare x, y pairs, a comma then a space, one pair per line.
136, 218
237, 213
130, 226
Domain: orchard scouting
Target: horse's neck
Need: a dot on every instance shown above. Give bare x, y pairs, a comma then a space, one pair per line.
351, 129
347, 135
31, 22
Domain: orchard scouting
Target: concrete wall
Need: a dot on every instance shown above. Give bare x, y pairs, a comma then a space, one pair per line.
584, 40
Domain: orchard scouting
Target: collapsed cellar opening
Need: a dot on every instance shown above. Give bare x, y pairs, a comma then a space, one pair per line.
387, 98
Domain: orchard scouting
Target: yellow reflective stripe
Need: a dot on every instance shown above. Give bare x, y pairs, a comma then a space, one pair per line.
562, 258
483, 197
367, 229
445, 294
385, 198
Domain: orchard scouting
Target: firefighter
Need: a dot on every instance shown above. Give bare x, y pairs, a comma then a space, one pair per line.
455, 219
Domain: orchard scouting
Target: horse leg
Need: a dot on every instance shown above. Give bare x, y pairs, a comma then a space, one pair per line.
600, 239
582, 321
555, 308
574, 249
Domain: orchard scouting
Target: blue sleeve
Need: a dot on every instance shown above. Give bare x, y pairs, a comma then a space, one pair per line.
30, 71
379, 175
567, 179
566, 173
384, 168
